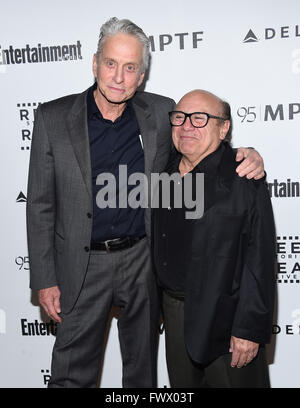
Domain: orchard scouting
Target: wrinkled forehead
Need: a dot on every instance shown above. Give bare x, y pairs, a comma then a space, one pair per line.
200, 101
122, 43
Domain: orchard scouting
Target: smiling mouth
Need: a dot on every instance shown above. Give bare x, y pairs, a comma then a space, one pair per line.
188, 138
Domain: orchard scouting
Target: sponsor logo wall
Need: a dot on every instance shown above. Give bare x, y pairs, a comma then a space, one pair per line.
247, 53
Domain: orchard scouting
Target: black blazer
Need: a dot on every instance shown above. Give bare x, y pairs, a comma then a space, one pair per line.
230, 277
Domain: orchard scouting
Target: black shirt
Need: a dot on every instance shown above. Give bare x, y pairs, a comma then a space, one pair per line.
172, 231
113, 144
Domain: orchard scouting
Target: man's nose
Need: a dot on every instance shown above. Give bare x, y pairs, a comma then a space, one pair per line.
119, 76
187, 124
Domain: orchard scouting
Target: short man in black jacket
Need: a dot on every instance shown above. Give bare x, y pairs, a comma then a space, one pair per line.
216, 272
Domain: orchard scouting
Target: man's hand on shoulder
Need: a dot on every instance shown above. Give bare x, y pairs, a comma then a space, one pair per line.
252, 165
49, 299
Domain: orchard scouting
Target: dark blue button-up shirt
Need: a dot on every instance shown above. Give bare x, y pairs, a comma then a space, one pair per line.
113, 144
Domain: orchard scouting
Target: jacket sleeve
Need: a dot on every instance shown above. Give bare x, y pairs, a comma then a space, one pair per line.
41, 208
254, 313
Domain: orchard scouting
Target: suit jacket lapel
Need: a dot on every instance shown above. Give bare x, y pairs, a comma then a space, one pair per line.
78, 133
148, 130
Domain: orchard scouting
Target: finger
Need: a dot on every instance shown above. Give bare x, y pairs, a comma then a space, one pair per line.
260, 175
249, 358
54, 316
57, 304
240, 154
253, 353
57, 310
252, 174
246, 167
246, 162
235, 357
50, 309
242, 359
46, 310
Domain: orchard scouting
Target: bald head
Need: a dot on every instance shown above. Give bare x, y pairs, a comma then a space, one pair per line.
202, 99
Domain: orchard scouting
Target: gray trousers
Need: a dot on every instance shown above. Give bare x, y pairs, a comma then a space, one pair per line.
183, 373
123, 279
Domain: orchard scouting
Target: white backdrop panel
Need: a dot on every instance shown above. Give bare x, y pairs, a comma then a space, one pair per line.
195, 44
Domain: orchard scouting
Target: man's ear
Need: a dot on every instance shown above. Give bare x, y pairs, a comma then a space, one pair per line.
95, 65
224, 129
141, 78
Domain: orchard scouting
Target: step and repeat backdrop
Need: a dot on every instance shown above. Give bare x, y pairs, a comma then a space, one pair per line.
246, 52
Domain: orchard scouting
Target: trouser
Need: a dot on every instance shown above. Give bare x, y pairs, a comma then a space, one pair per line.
124, 279
183, 372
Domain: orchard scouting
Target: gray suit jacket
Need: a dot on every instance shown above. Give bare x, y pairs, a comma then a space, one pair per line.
59, 196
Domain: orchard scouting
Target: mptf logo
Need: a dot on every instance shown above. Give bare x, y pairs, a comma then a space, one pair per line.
179, 40
269, 113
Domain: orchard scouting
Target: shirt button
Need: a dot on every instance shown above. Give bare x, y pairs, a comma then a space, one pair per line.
87, 249
163, 235
165, 263
89, 215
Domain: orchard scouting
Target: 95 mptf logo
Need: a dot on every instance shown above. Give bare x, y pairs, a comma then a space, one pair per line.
269, 113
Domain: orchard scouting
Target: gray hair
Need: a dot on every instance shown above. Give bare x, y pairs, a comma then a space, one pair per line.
114, 26
226, 113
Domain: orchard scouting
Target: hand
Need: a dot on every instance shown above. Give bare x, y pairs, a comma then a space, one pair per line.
49, 300
252, 166
243, 351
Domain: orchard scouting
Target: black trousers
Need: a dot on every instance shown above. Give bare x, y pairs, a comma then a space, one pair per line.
184, 373
124, 279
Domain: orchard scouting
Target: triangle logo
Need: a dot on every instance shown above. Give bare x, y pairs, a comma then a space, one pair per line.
250, 37
21, 198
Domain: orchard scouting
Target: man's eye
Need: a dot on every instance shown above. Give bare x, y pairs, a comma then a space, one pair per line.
131, 68
199, 117
110, 63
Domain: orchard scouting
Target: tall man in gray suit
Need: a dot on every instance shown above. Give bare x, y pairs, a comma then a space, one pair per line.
83, 258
